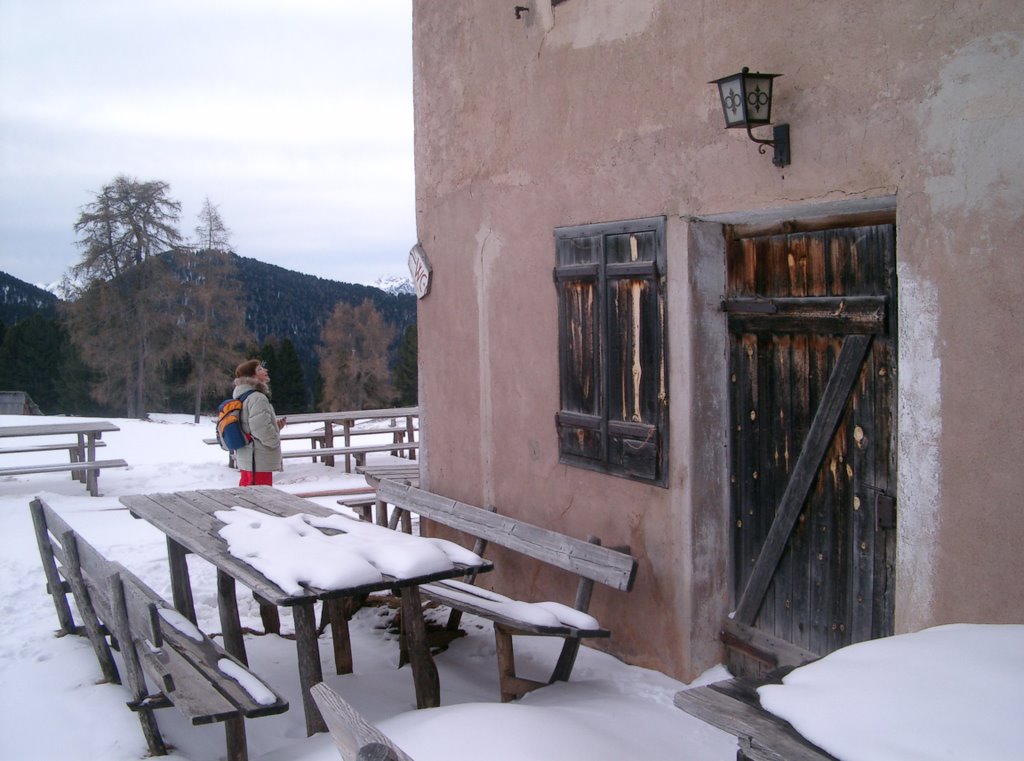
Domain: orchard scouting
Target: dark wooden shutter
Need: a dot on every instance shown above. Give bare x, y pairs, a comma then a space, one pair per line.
614, 403
635, 370
581, 430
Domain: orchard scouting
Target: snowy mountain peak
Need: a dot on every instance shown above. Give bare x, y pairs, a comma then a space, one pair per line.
395, 284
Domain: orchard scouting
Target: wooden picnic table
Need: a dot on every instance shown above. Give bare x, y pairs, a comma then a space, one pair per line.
338, 429
82, 451
347, 421
400, 471
405, 472
189, 521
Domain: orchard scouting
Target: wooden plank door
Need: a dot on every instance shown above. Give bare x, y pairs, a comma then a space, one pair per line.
813, 457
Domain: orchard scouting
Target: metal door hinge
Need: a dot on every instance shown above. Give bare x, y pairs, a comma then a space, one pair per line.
885, 511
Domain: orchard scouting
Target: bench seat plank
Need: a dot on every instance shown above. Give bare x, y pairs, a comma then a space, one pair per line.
763, 736
198, 701
18, 470
501, 610
588, 560
178, 634
71, 445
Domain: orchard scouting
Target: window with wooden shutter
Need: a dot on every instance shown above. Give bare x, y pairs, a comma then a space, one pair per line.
613, 414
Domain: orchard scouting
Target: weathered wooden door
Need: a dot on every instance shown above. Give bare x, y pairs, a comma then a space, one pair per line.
813, 457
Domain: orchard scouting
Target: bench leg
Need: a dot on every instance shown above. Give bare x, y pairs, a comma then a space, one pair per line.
414, 629
341, 640
89, 618
269, 615
92, 478
511, 686
54, 583
133, 669
400, 515
566, 660
181, 585
310, 669
231, 626
79, 455
234, 735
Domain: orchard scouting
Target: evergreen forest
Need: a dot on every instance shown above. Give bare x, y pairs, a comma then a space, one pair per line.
285, 312
152, 321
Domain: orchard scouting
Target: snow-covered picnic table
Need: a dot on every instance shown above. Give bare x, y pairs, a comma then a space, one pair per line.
81, 449
292, 553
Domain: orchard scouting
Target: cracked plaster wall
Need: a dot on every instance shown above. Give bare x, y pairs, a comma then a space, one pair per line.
597, 110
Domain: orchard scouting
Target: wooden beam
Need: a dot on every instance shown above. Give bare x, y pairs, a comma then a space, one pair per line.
764, 647
773, 738
836, 315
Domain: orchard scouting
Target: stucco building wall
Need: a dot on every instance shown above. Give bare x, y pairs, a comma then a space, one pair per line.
599, 110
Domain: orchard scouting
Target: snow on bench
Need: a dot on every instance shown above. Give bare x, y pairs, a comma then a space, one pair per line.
586, 559
190, 670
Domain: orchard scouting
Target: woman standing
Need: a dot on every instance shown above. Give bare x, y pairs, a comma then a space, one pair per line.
262, 455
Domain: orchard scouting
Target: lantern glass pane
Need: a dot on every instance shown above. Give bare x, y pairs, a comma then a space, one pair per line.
733, 107
759, 99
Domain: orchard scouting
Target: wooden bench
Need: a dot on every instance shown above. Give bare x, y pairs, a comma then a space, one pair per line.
733, 706
316, 439
355, 738
327, 454
361, 504
356, 451
190, 671
586, 559
91, 469
73, 447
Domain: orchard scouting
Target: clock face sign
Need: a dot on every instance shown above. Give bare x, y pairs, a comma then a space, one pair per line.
420, 271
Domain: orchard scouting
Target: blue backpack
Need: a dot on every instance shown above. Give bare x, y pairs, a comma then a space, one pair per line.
229, 424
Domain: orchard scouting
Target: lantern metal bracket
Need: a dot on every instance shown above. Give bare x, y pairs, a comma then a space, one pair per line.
779, 141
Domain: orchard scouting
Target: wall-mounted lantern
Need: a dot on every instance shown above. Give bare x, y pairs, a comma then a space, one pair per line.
747, 102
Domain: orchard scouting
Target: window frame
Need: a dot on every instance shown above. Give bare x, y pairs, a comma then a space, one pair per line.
592, 433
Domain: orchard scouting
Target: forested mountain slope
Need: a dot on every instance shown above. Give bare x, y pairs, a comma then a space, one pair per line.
19, 300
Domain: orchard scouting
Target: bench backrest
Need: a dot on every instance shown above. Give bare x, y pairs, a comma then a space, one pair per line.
355, 737
150, 632
592, 561
99, 576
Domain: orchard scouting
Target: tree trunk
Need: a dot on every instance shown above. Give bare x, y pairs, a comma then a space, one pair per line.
140, 383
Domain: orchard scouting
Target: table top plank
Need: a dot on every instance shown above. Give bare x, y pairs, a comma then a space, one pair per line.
196, 530
55, 429
265, 499
189, 519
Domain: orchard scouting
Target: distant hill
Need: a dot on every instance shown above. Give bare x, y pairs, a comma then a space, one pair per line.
19, 300
289, 304
280, 303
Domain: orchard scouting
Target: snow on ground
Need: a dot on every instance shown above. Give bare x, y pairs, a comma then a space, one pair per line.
946, 693
951, 692
52, 706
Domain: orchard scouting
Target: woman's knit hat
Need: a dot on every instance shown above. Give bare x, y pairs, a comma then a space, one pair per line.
247, 369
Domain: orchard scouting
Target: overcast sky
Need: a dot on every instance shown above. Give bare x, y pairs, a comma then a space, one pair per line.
293, 116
